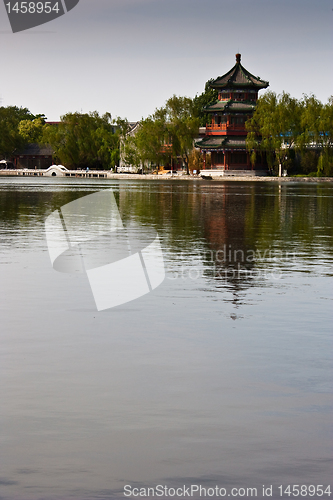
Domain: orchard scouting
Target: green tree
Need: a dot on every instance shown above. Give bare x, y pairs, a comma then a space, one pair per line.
130, 152
195, 160
165, 136
85, 140
182, 126
275, 128
325, 164
207, 97
152, 139
317, 121
32, 130
10, 137
149, 143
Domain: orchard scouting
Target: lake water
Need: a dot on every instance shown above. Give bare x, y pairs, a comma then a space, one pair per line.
221, 376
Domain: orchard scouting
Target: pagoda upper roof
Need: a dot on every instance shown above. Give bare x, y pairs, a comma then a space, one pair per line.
238, 77
232, 106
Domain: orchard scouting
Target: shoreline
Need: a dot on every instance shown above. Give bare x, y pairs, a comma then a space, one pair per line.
110, 175
220, 179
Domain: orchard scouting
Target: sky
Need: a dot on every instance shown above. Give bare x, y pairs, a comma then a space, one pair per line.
127, 57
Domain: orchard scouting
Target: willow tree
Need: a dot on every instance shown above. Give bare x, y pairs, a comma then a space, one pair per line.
183, 127
152, 139
317, 123
275, 128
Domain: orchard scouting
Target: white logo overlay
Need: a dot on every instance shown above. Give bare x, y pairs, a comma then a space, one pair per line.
88, 236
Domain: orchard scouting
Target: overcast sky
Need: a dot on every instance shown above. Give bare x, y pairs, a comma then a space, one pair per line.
128, 56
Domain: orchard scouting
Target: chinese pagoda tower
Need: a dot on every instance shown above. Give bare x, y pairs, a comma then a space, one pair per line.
225, 135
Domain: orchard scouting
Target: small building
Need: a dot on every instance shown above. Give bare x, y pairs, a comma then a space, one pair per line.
225, 136
34, 156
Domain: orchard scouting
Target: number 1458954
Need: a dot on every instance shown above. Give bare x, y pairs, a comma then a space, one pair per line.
33, 7
304, 490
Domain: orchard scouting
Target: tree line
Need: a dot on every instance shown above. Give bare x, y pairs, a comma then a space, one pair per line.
293, 134
79, 140
296, 135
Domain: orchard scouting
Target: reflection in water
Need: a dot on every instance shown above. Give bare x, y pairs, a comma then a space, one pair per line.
220, 376
234, 233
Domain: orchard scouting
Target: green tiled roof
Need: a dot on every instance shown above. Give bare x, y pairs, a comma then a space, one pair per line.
235, 142
211, 142
221, 142
239, 77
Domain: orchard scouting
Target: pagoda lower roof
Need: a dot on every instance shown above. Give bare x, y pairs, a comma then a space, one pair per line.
230, 106
221, 142
238, 77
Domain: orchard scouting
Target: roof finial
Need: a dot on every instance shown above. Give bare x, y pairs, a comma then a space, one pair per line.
238, 58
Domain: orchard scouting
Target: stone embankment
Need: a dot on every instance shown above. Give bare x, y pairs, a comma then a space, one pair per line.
105, 174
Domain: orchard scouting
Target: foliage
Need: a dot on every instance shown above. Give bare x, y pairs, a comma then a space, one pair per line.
324, 137
195, 160
182, 126
282, 126
166, 135
309, 162
207, 97
325, 164
86, 140
10, 137
32, 130
274, 127
152, 140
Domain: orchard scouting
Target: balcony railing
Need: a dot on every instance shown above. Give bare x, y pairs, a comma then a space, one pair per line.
225, 126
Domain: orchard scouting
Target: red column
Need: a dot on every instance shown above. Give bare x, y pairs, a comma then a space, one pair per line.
204, 160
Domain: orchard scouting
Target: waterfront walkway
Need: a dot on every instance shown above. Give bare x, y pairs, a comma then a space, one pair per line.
106, 174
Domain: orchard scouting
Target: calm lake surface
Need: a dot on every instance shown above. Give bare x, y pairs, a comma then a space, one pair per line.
221, 376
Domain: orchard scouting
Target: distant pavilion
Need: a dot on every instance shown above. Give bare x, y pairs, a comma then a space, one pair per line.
225, 135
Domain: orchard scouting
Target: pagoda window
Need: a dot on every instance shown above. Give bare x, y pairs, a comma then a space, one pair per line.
220, 119
237, 120
225, 96
238, 96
